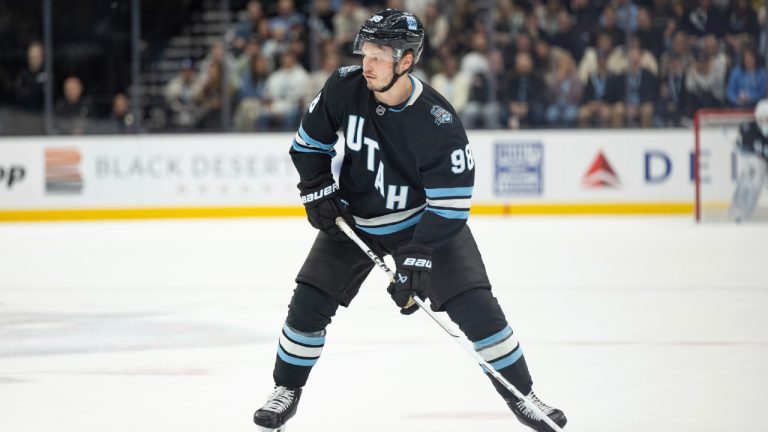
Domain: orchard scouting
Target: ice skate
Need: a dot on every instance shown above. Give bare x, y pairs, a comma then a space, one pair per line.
532, 419
278, 409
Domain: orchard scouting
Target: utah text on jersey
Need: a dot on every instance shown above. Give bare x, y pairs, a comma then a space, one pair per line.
408, 167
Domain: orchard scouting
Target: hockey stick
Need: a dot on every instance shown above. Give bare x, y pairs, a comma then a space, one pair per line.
467, 346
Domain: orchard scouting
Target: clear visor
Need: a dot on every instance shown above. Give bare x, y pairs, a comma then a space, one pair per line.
361, 39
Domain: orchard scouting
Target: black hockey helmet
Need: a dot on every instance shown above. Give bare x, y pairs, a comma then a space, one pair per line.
402, 31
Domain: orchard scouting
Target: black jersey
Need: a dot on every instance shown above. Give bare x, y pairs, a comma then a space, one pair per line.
405, 168
751, 140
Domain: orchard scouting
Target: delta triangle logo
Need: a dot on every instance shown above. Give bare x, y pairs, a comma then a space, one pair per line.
601, 174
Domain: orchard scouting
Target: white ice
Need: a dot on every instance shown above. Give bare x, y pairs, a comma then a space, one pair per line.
628, 324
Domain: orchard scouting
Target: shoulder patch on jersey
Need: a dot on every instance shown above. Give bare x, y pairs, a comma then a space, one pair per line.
441, 115
343, 71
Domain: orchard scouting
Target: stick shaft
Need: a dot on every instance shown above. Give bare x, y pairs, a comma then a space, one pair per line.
466, 345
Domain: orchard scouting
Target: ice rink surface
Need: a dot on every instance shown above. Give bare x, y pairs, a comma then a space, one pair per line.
628, 324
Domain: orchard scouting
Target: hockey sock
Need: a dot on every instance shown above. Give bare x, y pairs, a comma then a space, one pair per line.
479, 316
303, 335
504, 354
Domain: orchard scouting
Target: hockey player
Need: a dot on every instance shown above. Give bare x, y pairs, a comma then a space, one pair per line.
405, 185
752, 144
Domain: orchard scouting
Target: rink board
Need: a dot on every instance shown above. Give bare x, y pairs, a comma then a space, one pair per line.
246, 175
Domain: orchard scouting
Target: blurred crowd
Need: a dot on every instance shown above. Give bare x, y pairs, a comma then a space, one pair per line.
502, 64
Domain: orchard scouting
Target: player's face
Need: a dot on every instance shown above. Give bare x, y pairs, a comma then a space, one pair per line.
377, 65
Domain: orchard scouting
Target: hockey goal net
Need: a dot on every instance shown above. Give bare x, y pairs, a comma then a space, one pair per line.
719, 165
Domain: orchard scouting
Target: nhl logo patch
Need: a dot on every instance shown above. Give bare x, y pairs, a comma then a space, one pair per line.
441, 115
343, 71
380, 110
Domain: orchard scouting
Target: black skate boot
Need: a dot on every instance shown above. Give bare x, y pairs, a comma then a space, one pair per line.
532, 419
280, 407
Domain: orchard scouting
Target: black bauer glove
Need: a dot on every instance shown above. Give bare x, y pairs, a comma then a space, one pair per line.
414, 262
323, 206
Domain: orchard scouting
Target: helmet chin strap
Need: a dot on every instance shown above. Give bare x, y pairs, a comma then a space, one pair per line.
395, 77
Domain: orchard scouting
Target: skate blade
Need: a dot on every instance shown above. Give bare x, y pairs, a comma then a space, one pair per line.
280, 429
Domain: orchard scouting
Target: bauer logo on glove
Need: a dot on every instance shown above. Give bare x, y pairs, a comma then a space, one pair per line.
320, 194
413, 268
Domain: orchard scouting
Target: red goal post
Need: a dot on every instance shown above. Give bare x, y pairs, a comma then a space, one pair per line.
715, 132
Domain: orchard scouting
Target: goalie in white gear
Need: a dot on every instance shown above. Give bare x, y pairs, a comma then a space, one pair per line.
752, 145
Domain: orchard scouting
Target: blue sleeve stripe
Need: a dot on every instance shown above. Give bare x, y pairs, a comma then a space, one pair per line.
449, 192
313, 142
494, 338
450, 214
300, 148
294, 360
389, 229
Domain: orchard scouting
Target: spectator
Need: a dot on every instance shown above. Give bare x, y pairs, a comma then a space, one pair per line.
73, 111
702, 19
435, 25
595, 106
604, 48
321, 20
717, 58
522, 94
650, 38
218, 54
481, 110
647, 60
30, 83
547, 13
564, 93
30, 92
626, 15
347, 22
565, 37
668, 34
122, 120
287, 17
665, 11
251, 92
283, 94
248, 27
680, 50
476, 61
508, 21
609, 24
277, 43
317, 79
209, 96
180, 97
639, 87
545, 58
586, 15
252, 49
523, 43
532, 27
705, 83
453, 84
674, 101
747, 83
742, 19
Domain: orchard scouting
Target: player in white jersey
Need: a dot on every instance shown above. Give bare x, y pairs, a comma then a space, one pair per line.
752, 145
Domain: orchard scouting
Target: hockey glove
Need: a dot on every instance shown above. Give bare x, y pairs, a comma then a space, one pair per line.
323, 206
414, 262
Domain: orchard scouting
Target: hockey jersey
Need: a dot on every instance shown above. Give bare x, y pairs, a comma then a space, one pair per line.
751, 140
407, 170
